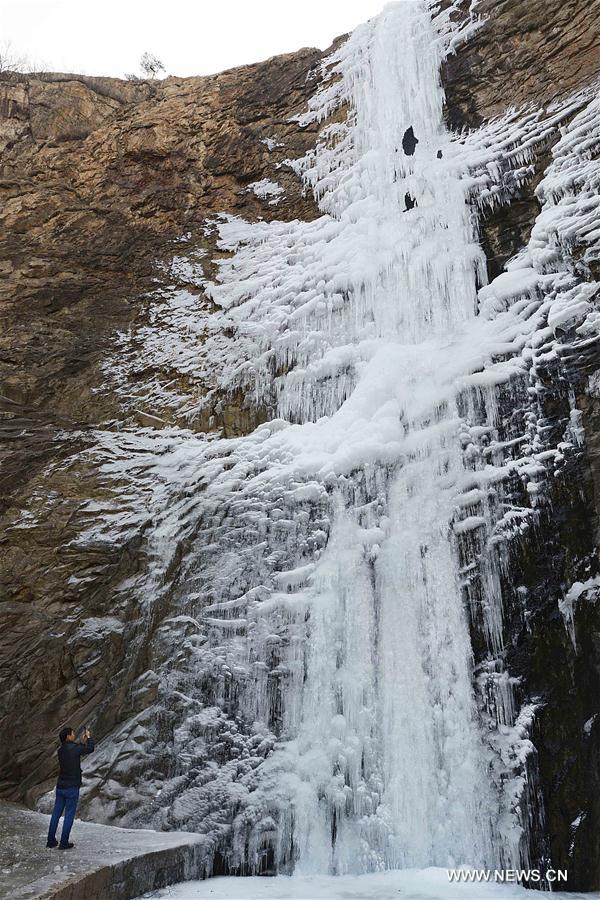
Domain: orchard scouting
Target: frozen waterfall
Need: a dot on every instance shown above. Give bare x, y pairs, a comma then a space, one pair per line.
334, 562
382, 762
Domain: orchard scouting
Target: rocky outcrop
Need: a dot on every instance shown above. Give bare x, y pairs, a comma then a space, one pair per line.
98, 179
521, 54
100, 182
538, 54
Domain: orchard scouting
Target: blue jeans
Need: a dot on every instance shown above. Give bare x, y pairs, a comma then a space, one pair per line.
66, 801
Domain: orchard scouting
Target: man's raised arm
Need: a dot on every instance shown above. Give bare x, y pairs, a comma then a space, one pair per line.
86, 743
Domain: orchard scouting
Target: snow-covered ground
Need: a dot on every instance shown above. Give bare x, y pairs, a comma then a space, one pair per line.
102, 855
408, 884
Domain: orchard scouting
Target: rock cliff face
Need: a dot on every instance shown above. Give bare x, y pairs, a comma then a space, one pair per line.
99, 179
537, 53
110, 191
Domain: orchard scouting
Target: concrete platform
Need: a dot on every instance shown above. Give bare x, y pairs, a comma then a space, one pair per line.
106, 863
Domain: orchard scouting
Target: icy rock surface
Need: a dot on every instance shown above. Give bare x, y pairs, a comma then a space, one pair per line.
319, 668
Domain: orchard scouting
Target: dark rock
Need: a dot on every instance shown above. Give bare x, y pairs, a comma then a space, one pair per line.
540, 52
409, 141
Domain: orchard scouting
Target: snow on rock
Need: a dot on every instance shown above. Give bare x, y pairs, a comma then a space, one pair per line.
568, 603
266, 189
271, 143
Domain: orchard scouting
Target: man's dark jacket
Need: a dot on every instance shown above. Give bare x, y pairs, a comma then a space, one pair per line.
69, 760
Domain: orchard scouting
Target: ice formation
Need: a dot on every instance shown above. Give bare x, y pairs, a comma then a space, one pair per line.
267, 189
333, 557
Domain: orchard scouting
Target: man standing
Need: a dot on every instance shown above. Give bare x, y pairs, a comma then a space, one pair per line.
68, 784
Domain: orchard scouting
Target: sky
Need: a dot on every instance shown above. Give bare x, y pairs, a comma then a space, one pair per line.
190, 37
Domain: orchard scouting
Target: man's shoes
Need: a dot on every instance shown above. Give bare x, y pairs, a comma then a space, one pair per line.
53, 844
66, 846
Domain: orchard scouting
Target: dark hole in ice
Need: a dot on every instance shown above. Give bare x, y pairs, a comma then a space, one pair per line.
439, 154
220, 864
267, 862
410, 202
409, 141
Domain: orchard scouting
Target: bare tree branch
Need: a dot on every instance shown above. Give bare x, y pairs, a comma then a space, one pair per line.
151, 65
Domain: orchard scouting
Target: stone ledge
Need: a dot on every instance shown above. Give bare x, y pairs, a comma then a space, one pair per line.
106, 861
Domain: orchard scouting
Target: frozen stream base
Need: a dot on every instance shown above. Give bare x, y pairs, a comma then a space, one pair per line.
405, 884
106, 863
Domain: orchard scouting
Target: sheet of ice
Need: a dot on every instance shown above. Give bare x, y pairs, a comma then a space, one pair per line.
408, 884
